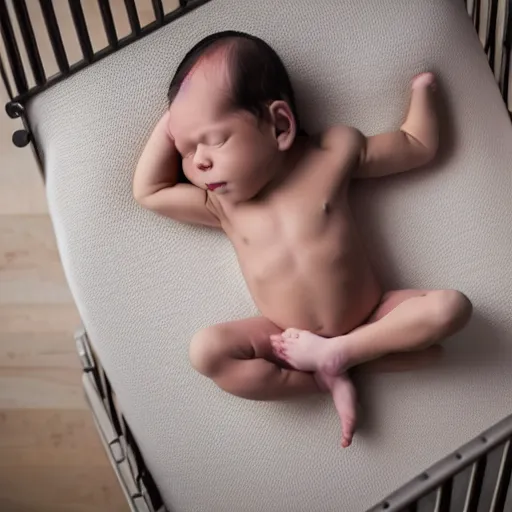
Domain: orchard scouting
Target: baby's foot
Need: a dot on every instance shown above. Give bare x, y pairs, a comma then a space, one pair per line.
344, 397
308, 352
424, 80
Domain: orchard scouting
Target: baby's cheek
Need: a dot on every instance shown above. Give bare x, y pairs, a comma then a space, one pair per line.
241, 158
185, 170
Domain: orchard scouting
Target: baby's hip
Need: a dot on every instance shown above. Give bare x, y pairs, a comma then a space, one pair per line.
328, 318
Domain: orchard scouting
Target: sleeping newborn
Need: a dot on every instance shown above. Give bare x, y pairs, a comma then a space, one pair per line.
281, 197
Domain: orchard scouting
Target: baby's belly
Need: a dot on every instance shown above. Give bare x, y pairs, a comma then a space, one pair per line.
326, 295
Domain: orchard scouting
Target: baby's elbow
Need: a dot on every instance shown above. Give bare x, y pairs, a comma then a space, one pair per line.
141, 197
430, 151
425, 156
424, 152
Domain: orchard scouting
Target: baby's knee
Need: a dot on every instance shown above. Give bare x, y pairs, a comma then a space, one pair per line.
453, 310
205, 351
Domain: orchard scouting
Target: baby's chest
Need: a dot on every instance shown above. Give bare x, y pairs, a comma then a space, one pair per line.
303, 220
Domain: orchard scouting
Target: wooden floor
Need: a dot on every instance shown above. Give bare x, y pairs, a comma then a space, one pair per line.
50, 456
51, 459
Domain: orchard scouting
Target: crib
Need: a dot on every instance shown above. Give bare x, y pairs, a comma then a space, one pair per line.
436, 438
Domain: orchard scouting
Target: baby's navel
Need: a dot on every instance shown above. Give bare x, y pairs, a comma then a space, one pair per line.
326, 207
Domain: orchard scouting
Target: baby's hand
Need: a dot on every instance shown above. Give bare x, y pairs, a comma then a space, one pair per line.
424, 80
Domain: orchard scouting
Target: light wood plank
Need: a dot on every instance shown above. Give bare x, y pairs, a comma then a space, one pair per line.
30, 350
30, 268
31, 437
38, 318
52, 461
40, 388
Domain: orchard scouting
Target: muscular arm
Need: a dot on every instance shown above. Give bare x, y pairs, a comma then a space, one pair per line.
413, 145
155, 182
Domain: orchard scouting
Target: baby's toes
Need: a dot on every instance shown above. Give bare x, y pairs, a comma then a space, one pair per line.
348, 426
280, 352
291, 333
276, 342
288, 344
275, 339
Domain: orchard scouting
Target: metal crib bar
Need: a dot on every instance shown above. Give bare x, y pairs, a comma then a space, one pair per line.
143, 476
447, 468
444, 496
476, 480
77, 14
133, 16
12, 50
52, 27
109, 402
506, 55
490, 39
5, 79
108, 22
503, 480
475, 14
505, 76
27, 32
159, 10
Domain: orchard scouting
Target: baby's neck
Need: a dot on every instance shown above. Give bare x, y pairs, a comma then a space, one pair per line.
285, 167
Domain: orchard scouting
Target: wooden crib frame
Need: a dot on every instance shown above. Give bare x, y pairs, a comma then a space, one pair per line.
436, 483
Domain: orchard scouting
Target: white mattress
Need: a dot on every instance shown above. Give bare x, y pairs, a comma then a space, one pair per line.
144, 284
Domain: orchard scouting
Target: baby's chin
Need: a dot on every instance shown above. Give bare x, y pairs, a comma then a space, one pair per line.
232, 194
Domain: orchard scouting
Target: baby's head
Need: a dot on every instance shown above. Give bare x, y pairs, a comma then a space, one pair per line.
232, 114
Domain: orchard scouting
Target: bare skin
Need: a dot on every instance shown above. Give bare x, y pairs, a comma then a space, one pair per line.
282, 201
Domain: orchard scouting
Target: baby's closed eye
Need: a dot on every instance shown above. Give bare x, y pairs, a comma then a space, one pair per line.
216, 139
217, 143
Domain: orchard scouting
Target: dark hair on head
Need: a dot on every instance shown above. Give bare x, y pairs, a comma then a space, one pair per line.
256, 72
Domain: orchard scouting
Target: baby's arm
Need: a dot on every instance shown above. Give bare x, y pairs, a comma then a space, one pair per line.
414, 145
155, 182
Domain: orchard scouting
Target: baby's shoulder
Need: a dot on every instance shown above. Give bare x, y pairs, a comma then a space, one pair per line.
342, 140
340, 147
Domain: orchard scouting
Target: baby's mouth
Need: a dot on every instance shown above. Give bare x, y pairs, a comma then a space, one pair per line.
215, 186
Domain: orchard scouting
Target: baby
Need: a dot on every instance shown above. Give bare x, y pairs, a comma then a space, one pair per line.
281, 198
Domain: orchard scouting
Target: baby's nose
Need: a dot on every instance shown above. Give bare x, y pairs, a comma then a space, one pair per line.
202, 159
203, 166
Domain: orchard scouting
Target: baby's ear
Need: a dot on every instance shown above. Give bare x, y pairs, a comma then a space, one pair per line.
283, 121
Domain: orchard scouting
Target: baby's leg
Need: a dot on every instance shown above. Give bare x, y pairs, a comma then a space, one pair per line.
238, 357
344, 398
405, 320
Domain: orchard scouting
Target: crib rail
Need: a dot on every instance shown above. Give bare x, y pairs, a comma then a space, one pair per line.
476, 478
496, 38
26, 77
18, 87
136, 481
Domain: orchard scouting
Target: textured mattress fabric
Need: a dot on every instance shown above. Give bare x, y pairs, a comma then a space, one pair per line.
144, 284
